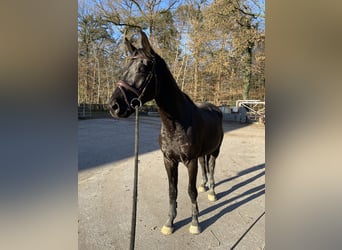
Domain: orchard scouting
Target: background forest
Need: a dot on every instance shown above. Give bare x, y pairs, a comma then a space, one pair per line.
215, 49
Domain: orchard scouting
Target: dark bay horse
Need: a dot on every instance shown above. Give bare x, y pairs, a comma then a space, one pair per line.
190, 133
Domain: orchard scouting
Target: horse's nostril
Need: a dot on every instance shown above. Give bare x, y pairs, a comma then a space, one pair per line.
116, 107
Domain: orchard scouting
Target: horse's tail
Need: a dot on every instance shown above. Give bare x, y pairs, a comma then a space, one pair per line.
220, 114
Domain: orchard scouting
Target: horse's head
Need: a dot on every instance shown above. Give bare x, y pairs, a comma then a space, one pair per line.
138, 82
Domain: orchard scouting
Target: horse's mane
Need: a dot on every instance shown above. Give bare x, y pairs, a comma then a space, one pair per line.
167, 70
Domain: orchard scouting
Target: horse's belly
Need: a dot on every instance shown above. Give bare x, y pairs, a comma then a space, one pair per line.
210, 143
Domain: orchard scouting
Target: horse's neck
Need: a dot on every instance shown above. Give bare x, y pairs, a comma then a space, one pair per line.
172, 103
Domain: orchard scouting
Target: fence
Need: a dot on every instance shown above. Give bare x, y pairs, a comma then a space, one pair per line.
245, 111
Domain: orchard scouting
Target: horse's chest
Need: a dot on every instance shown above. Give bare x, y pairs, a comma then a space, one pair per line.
176, 145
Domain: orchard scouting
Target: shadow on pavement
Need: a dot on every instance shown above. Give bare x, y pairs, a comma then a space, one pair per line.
241, 173
102, 141
253, 193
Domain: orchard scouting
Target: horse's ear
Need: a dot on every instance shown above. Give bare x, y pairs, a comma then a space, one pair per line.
146, 44
130, 46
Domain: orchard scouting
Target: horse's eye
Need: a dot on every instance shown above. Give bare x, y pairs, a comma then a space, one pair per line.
142, 69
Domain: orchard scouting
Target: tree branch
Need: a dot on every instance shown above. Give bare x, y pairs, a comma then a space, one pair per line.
123, 24
245, 13
236, 7
168, 8
139, 7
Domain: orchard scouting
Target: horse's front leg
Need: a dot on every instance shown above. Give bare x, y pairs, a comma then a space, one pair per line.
172, 174
192, 190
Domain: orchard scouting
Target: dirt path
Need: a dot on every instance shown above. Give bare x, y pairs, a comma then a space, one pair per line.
105, 189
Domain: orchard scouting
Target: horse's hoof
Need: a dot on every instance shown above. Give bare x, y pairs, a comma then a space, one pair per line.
166, 230
194, 229
212, 197
201, 189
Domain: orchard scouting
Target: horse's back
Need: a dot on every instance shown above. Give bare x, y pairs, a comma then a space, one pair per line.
209, 109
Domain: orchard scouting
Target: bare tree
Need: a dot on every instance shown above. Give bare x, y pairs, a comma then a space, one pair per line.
214, 48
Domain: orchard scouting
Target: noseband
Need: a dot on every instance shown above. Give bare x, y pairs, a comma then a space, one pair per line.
122, 85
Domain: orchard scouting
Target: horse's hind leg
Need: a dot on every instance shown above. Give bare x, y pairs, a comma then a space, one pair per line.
192, 190
203, 163
211, 192
172, 174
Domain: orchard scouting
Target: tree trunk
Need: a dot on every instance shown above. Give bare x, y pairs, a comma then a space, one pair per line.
247, 74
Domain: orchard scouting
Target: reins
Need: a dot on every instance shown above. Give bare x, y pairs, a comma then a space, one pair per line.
136, 106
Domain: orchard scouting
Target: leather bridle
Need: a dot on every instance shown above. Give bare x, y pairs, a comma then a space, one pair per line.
139, 92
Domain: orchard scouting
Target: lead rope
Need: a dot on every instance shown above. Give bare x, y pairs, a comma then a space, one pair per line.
136, 104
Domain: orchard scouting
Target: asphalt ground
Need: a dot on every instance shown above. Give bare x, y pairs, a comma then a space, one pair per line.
235, 221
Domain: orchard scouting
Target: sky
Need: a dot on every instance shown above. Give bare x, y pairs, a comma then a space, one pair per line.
257, 6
